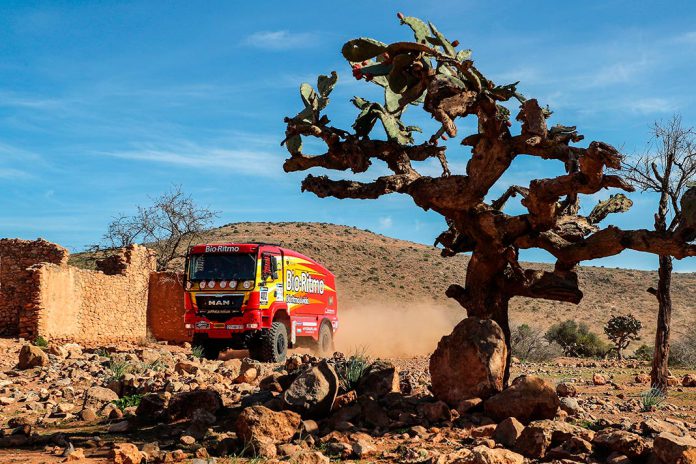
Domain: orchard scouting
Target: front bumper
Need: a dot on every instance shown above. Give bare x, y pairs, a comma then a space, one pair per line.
250, 320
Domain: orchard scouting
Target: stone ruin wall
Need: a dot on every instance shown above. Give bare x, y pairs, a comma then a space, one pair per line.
124, 300
18, 316
106, 305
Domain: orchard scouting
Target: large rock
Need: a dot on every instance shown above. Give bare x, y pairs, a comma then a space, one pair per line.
485, 455
689, 380
381, 378
671, 449
97, 397
470, 362
313, 392
627, 443
152, 406
528, 398
32, 356
184, 404
126, 453
539, 436
261, 428
508, 431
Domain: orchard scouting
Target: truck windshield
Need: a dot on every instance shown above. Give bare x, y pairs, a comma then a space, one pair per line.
222, 267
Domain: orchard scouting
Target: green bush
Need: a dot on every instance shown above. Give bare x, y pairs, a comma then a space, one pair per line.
576, 339
40, 342
197, 351
128, 401
644, 352
528, 344
351, 370
652, 398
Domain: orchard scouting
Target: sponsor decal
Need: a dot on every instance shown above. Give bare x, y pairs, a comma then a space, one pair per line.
304, 283
279, 291
330, 311
221, 249
218, 326
263, 295
202, 325
296, 300
310, 324
235, 327
219, 303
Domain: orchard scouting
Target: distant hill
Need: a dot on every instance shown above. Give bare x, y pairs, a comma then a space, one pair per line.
387, 277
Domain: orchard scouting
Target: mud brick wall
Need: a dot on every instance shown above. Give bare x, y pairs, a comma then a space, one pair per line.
107, 305
17, 294
165, 310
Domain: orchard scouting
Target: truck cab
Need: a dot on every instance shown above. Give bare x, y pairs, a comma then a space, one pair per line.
258, 296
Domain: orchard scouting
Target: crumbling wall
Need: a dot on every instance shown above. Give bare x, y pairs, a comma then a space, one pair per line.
17, 292
165, 310
106, 305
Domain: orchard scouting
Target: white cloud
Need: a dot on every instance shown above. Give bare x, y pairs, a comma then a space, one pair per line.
280, 40
251, 162
651, 105
386, 222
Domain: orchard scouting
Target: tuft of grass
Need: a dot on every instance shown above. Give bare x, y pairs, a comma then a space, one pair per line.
102, 352
352, 369
128, 401
652, 398
197, 351
118, 370
40, 342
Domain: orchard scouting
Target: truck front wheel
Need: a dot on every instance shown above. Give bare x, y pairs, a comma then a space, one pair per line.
325, 344
272, 345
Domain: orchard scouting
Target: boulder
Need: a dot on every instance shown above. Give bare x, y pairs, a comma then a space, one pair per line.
31, 356
671, 449
126, 453
574, 449
261, 428
508, 431
564, 390
654, 426
380, 379
184, 404
310, 457
312, 393
627, 443
187, 367
152, 406
598, 379
98, 397
689, 380
484, 455
436, 412
470, 362
528, 398
571, 406
539, 436
642, 379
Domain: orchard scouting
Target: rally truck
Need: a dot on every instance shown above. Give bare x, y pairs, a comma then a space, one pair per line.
258, 296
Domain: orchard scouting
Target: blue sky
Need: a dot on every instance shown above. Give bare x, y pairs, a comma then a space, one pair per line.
106, 104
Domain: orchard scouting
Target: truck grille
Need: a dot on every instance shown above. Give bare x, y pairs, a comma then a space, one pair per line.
219, 307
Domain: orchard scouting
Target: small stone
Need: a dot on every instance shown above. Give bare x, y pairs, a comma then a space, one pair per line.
565, 389
187, 440
126, 453
598, 379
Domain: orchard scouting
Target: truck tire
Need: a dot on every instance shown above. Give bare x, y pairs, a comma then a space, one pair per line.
325, 345
272, 344
211, 349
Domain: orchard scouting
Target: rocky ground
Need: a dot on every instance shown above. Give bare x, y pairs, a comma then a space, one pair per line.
157, 403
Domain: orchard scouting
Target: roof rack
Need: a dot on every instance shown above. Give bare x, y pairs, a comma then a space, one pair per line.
265, 243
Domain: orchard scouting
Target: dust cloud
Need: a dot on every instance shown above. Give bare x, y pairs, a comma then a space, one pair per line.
390, 330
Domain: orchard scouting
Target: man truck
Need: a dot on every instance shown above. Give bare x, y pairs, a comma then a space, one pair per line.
258, 296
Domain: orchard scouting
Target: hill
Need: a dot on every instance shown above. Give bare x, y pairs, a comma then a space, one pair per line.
392, 292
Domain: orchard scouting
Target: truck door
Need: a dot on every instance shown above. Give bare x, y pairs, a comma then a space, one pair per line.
272, 290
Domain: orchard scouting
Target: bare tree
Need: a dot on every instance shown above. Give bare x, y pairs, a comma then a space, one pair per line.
168, 226
666, 168
432, 74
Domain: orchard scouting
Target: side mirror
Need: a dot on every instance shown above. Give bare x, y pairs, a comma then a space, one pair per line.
274, 268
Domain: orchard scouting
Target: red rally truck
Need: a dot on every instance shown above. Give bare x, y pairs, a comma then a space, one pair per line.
258, 296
